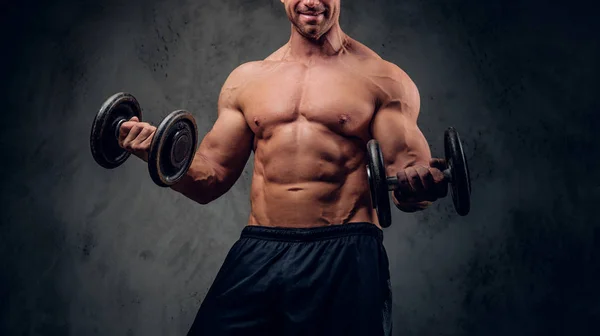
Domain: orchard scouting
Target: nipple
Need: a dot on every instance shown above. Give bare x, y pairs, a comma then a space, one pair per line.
256, 121
343, 119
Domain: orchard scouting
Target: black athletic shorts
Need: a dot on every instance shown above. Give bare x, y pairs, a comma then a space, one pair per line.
312, 281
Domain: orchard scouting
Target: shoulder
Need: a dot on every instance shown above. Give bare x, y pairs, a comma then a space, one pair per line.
242, 78
248, 71
242, 73
239, 78
387, 75
396, 91
396, 87
393, 79
361, 51
235, 82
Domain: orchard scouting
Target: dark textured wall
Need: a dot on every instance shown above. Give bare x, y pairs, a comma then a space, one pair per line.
85, 251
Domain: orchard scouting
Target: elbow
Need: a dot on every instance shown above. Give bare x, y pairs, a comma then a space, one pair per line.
207, 190
205, 182
196, 194
201, 186
212, 187
202, 199
205, 198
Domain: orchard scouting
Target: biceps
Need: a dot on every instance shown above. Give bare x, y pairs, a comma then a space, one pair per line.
402, 142
228, 144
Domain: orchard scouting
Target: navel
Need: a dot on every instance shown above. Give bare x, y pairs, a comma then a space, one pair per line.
256, 121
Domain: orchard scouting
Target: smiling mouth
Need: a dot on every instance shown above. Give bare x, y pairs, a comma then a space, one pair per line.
312, 12
311, 16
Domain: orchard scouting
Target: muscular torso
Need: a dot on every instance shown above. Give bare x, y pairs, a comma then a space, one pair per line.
311, 124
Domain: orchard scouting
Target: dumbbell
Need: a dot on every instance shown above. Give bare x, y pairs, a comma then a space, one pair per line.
171, 151
457, 175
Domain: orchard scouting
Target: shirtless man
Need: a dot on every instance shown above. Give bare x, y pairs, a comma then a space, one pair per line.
310, 260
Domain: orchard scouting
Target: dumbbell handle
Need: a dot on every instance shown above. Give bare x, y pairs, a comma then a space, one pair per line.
393, 183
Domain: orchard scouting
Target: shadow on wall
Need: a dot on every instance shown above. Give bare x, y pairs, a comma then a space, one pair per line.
537, 272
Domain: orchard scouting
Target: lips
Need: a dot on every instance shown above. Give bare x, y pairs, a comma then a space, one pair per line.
311, 13
311, 16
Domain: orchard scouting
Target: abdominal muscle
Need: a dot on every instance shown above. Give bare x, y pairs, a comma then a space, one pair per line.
306, 175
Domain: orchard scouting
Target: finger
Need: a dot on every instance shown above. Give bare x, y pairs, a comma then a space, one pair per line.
133, 133
422, 173
429, 184
414, 179
146, 143
440, 185
125, 129
404, 189
128, 125
426, 178
440, 164
138, 143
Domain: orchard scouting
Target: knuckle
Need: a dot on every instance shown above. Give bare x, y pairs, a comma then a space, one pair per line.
426, 173
137, 147
148, 130
415, 178
436, 174
411, 173
439, 178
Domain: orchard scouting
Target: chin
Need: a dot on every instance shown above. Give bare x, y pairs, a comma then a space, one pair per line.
312, 35
311, 32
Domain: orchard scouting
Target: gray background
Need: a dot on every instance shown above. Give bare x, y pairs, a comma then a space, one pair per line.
85, 251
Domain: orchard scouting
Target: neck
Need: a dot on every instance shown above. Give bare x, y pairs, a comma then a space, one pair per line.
332, 43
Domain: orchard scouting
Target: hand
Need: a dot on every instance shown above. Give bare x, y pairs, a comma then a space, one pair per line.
420, 185
136, 137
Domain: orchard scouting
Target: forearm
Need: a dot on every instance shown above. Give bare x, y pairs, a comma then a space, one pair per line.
202, 183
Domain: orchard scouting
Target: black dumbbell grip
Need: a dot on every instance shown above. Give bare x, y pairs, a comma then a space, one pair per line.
118, 124
392, 182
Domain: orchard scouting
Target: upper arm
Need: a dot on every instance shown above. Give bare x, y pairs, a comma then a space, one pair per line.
227, 146
394, 125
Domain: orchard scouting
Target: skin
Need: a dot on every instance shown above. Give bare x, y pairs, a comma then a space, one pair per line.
307, 112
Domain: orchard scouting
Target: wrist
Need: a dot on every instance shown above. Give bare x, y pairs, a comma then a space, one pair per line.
410, 206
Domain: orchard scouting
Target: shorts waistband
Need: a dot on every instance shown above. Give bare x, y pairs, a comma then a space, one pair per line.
312, 234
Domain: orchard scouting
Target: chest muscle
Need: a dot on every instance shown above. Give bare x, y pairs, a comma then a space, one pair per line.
339, 100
